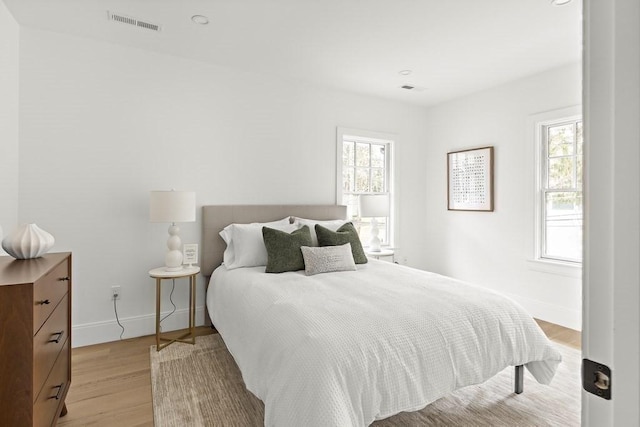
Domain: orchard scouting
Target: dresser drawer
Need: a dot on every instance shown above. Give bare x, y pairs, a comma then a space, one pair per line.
48, 291
53, 392
48, 342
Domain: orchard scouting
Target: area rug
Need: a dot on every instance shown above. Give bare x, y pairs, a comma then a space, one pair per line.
200, 385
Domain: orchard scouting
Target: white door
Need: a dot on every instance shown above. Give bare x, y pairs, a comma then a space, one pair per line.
611, 320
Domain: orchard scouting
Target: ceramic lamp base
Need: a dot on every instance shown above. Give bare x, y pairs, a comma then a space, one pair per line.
173, 258
374, 243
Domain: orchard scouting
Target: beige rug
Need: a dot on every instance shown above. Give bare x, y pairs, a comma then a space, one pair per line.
201, 386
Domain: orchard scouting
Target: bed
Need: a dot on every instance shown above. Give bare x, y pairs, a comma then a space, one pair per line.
350, 347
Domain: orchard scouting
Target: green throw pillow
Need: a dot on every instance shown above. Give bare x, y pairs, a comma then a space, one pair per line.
283, 249
345, 234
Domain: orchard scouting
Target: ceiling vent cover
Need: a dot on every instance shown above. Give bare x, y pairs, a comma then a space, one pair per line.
124, 19
412, 87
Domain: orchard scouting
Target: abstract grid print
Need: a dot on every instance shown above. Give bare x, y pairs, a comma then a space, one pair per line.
470, 179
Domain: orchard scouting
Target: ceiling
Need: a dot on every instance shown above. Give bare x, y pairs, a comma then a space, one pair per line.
453, 47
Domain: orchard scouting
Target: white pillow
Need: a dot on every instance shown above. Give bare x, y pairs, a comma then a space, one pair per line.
328, 258
332, 225
227, 234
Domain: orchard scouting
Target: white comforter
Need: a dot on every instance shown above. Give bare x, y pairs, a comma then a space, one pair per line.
347, 348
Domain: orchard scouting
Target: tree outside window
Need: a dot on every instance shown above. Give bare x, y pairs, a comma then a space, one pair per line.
561, 191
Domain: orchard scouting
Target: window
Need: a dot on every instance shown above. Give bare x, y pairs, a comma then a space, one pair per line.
560, 190
364, 167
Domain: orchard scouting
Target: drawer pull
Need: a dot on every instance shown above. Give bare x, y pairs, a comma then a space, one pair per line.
60, 388
64, 279
59, 335
44, 302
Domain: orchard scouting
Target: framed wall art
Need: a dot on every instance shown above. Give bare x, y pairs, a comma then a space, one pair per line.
470, 180
190, 253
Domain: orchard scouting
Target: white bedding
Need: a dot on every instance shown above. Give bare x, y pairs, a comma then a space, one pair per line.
347, 348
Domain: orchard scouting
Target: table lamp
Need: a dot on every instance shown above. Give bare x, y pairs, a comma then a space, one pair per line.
374, 206
173, 206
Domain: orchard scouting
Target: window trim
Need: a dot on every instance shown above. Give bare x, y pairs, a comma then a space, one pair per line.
536, 125
370, 137
543, 190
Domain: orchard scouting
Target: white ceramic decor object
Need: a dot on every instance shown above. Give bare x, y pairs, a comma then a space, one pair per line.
28, 241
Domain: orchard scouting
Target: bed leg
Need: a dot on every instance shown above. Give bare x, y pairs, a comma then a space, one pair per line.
519, 381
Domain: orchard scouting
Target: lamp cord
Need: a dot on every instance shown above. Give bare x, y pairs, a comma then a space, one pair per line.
173, 287
115, 310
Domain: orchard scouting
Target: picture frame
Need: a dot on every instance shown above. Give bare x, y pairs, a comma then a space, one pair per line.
190, 253
470, 180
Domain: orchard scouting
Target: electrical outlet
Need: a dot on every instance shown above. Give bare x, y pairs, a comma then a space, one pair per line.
116, 292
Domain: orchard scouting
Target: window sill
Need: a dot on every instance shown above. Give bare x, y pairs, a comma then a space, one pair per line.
569, 269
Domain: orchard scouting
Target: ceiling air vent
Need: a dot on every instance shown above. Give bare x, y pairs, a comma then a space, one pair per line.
412, 87
123, 19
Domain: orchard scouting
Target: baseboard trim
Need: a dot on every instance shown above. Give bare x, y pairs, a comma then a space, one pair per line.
135, 326
550, 313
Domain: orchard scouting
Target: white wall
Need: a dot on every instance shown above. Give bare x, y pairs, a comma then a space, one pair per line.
9, 78
102, 124
493, 249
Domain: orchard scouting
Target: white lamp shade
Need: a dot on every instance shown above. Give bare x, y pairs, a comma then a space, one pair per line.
172, 206
374, 205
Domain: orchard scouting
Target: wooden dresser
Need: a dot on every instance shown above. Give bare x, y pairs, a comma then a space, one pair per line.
35, 339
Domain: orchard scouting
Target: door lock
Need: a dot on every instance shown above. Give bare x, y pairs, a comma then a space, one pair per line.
596, 378
601, 380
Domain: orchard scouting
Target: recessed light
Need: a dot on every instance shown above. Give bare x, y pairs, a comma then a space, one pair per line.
405, 72
200, 19
560, 2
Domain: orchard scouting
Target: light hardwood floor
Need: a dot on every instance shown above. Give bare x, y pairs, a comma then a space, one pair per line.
111, 382
562, 335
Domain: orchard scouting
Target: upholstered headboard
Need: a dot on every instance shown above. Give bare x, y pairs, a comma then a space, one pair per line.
215, 218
